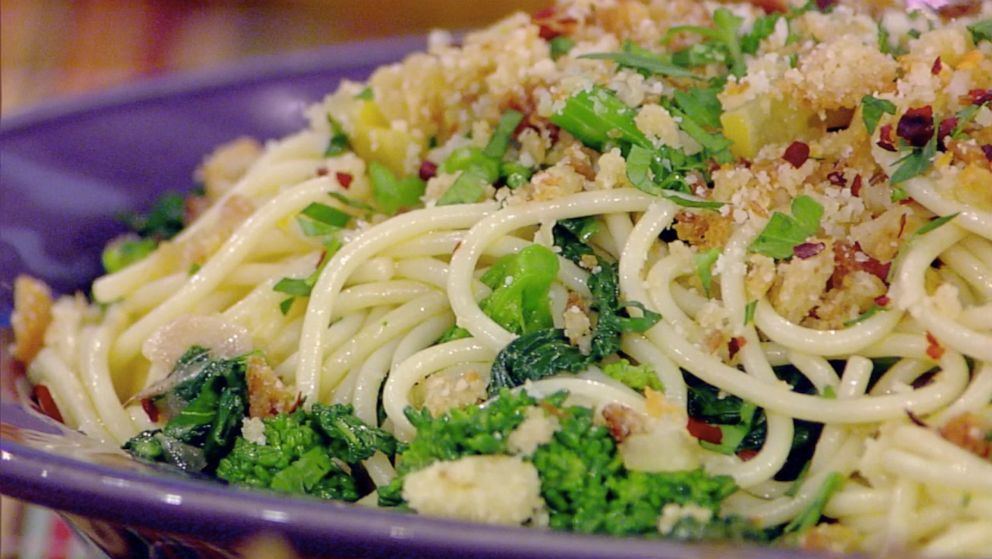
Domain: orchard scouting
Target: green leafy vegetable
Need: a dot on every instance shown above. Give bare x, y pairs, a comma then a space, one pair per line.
468, 188
665, 172
163, 221
299, 451
392, 194
324, 223
542, 353
535, 356
515, 175
699, 112
723, 34
482, 167
704, 267
459, 432
784, 232
588, 490
120, 254
763, 27
981, 30
872, 109
338, 143
597, 117
349, 438
916, 163
583, 480
500, 140
205, 409
637, 377
829, 392
365, 94
521, 283
933, 224
560, 46
642, 60
749, 312
812, 513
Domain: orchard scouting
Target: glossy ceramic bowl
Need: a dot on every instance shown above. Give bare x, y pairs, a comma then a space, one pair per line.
65, 171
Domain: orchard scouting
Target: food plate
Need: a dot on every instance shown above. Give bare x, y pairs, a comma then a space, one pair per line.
67, 170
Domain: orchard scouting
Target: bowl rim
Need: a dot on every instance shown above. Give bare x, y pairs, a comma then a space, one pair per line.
174, 504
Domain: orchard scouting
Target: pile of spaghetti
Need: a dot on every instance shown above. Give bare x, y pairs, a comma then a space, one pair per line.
680, 269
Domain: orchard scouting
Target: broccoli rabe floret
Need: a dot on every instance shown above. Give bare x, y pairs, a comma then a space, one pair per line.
584, 484
459, 432
303, 453
637, 377
351, 439
587, 489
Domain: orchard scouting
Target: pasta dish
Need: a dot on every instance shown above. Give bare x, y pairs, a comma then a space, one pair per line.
677, 269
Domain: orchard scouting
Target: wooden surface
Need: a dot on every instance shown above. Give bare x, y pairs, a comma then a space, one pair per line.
53, 48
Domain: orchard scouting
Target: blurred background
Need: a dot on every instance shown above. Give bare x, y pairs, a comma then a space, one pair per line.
56, 48
51, 49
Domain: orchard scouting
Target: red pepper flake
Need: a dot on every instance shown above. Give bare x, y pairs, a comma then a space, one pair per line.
735, 344
47, 403
151, 410
987, 150
980, 96
856, 186
344, 179
797, 153
885, 138
808, 250
704, 431
550, 25
428, 170
836, 178
771, 6
937, 67
916, 126
954, 10
934, 349
945, 129
882, 300
747, 454
322, 171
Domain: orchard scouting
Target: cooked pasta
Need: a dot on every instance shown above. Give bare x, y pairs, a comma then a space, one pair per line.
795, 207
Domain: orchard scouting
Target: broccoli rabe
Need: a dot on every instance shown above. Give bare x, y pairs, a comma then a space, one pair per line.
459, 432
637, 377
303, 453
584, 483
587, 488
205, 406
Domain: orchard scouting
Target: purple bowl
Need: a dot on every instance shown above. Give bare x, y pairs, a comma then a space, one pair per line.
65, 171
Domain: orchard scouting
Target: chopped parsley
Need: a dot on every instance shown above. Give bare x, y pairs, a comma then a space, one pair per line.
872, 109
560, 46
783, 232
392, 194
916, 162
722, 35
338, 143
597, 117
704, 267
981, 31
933, 224
749, 312
642, 60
